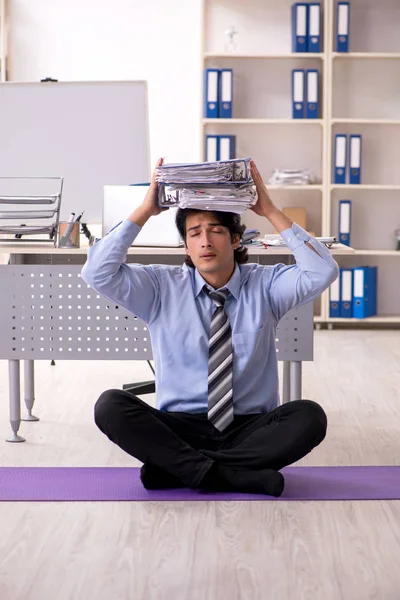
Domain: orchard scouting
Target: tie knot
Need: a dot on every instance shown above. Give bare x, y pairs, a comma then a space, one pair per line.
218, 297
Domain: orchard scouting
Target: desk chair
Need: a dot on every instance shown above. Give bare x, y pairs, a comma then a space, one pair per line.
142, 387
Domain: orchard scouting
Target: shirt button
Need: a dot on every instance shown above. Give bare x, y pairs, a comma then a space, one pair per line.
289, 239
297, 235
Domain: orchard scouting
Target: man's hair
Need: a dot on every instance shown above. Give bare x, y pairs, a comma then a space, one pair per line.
226, 219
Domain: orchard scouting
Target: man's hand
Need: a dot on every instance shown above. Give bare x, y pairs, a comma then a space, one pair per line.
149, 207
264, 204
150, 202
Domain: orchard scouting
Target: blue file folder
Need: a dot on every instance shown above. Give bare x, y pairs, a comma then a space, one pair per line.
314, 27
299, 27
346, 293
334, 299
364, 292
298, 93
212, 151
211, 86
225, 93
344, 222
355, 159
342, 29
226, 147
312, 95
340, 158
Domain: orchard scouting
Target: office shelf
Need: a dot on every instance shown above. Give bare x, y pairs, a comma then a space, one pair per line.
378, 253
367, 55
348, 186
385, 319
262, 121
366, 121
295, 55
357, 85
297, 188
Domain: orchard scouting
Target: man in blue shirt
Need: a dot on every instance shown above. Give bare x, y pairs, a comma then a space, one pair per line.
218, 424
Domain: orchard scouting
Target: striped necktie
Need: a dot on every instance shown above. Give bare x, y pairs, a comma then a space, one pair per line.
220, 393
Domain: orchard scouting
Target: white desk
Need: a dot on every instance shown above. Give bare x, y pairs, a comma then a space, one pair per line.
49, 312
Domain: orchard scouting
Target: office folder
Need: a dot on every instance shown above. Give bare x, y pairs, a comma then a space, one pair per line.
334, 299
226, 93
346, 293
364, 292
211, 148
227, 147
340, 158
299, 27
344, 222
314, 28
298, 93
211, 87
343, 22
355, 159
312, 101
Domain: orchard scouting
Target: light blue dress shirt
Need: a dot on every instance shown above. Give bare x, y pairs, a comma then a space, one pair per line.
171, 300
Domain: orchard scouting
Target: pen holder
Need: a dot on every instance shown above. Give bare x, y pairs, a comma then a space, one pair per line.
68, 234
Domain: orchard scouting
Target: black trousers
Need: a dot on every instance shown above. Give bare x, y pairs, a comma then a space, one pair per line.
174, 441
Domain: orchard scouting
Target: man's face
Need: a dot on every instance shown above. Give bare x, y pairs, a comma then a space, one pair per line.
209, 244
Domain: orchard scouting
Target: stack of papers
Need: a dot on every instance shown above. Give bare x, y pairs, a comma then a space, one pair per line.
223, 186
274, 239
227, 171
235, 198
291, 177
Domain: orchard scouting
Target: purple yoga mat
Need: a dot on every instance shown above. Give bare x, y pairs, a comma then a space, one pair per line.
69, 484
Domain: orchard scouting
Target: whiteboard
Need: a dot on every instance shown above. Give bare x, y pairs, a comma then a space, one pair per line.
91, 133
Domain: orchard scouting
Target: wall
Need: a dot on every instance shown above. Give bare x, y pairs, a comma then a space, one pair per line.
156, 40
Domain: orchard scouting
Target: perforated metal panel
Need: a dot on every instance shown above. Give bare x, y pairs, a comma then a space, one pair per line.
49, 312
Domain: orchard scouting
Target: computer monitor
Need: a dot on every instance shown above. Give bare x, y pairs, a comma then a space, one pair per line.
120, 201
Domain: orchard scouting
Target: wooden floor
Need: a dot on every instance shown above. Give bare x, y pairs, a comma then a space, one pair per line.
208, 550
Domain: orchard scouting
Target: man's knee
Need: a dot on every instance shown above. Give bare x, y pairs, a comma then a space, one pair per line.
316, 418
105, 408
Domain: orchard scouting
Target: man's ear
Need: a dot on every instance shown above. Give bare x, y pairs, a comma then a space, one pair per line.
236, 241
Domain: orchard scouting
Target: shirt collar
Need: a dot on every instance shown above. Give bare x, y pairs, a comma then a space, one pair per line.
233, 284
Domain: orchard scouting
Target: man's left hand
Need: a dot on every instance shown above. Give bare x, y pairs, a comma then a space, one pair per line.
264, 204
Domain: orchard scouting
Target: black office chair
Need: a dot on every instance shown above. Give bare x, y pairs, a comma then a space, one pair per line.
142, 387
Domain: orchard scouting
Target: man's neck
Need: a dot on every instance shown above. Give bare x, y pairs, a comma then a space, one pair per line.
218, 280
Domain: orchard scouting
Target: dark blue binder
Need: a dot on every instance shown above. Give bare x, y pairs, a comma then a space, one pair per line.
312, 94
211, 87
226, 147
355, 159
340, 158
342, 27
225, 93
346, 293
298, 93
212, 148
314, 27
299, 27
364, 292
334, 299
344, 222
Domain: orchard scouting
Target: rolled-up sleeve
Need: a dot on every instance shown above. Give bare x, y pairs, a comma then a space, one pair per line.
134, 287
296, 285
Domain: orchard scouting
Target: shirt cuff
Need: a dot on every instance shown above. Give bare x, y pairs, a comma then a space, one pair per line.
295, 236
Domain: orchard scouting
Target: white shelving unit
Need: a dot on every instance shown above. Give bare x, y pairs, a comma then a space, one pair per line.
3, 41
360, 93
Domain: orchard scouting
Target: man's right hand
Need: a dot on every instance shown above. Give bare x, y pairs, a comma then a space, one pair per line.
150, 202
149, 207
